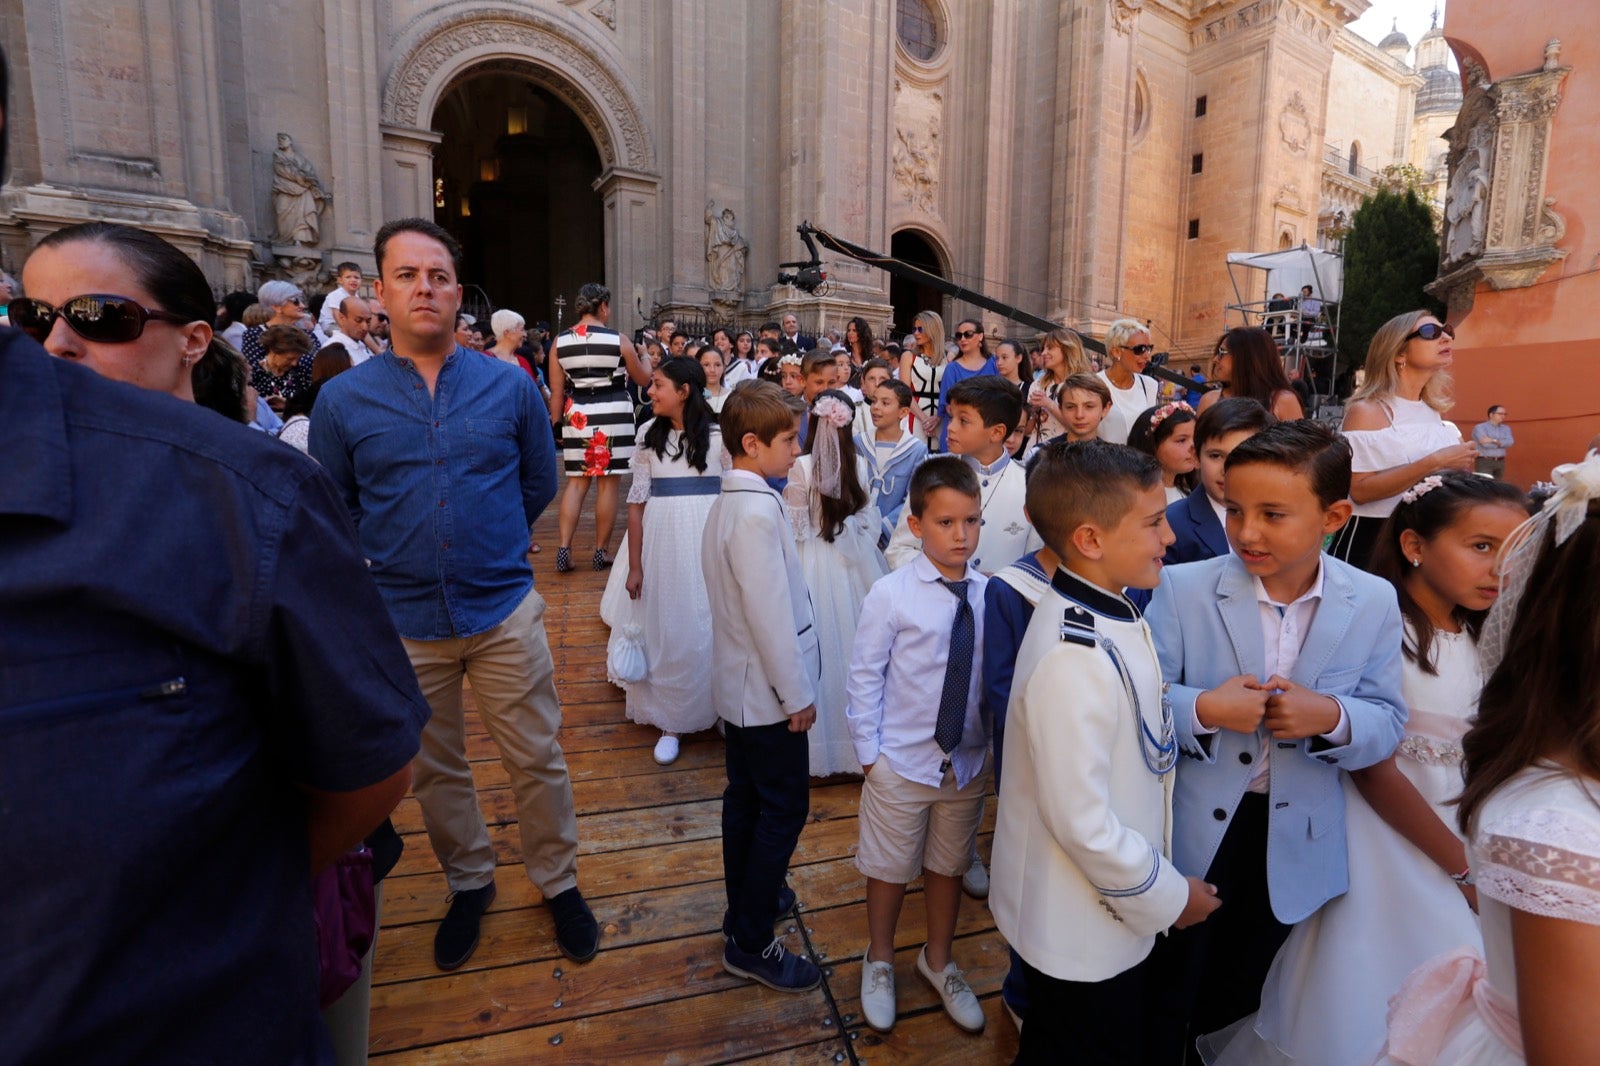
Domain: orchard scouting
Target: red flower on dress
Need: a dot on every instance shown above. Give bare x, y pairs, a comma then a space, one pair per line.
566, 408
577, 419
581, 329
597, 456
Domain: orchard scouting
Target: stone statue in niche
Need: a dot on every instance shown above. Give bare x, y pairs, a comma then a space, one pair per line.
1466, 205
726, 250
298, 196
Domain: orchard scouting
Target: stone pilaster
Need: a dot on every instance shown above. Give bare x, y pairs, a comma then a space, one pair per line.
355, 155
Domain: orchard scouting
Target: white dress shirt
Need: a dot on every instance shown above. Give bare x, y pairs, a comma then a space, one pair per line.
1283, 633
897, 675
359, 352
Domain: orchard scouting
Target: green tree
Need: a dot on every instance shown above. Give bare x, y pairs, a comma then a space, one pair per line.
1390, 253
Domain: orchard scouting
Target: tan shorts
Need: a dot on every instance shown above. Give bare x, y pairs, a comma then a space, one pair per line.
908, 827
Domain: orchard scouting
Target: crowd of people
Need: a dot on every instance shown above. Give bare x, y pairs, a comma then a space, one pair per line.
1296, 725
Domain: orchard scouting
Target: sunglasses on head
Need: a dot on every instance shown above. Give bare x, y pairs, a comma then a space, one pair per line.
1432, 331
967, 334
1140, 349
97, 317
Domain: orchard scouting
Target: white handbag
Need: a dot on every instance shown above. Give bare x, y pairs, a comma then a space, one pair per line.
625, 661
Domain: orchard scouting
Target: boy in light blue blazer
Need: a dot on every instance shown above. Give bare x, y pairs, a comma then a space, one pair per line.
1284, 665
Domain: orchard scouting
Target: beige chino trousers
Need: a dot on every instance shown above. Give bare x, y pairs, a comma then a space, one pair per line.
513, 678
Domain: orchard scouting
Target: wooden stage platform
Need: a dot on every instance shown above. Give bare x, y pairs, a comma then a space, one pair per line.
650, 865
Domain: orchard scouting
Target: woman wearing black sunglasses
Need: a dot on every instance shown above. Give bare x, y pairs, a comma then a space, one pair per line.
1128, 350
131, 307
1395, 426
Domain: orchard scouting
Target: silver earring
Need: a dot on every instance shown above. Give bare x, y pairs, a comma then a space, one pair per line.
185, 361
1416, 562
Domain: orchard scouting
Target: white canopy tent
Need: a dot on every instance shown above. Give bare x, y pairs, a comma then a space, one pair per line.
1287, 271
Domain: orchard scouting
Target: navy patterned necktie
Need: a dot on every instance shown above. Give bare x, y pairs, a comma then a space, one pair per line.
957, 671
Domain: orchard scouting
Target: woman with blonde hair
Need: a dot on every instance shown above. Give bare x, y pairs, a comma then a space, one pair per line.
922, 368
1062, 351
1395, 426
1128, 351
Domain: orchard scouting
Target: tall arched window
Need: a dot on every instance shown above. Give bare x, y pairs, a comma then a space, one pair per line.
1355, 157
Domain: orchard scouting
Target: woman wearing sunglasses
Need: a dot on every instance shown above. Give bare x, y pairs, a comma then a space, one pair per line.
288, 306
972, 360
131, 307
1395, 426
1246, 363
1128, 348
922, 369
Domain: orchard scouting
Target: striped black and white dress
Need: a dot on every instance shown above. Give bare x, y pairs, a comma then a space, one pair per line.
590, 357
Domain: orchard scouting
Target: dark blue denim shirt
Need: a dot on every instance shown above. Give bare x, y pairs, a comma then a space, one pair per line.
187, 634
442, 486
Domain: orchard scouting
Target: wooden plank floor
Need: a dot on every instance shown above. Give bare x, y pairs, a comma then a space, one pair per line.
650, 864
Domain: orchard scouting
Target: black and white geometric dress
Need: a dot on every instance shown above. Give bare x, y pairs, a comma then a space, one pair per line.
597, 430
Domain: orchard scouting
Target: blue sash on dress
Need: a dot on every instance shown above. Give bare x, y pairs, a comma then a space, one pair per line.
685, 486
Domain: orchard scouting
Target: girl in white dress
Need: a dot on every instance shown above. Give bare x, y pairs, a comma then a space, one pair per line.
677, 474
1325, 1001
1531, 811
836, 528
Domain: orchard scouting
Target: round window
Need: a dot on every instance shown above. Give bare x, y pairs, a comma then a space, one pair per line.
917, 26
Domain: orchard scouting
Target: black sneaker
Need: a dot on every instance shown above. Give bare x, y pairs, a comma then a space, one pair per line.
786, 902
577, 933
776, 967
457, 937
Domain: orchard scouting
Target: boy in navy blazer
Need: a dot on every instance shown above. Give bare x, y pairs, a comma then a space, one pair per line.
1284, 666
1197, 520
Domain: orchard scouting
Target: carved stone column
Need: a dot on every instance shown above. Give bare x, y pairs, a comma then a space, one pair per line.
1500, 228
631, 202
355, 156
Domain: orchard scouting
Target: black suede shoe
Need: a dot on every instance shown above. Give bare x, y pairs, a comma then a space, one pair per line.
777, 967
577, 933
457, 937
786, 902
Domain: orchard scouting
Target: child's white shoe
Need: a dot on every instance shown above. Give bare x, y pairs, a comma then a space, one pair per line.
666, 750
975, 882
951, 984
877, 994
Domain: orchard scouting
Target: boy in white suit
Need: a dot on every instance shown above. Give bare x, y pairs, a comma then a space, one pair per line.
1082, 876
1284, 665
765, 669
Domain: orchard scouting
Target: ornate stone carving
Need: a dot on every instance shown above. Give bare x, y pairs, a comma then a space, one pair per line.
298, 196
604, 10
1261, 13
726, 252
1500, 228
918, 147
1124, 13
1294, 123
591, 87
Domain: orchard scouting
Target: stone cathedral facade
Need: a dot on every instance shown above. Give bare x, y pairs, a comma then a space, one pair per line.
1087, 159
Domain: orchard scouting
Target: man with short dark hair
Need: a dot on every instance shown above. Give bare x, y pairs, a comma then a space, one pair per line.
445, 460
1492, 438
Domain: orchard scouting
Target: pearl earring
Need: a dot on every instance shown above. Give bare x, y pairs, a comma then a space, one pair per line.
1416, 562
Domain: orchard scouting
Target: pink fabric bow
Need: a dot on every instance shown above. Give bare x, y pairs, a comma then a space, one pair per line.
1432, 998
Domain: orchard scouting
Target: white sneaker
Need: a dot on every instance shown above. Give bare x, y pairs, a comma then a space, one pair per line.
667, 750
975, 882
877, 994
951, 984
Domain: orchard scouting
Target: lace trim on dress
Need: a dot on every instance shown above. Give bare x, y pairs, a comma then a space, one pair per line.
1430, 752
639, 489
1544, 862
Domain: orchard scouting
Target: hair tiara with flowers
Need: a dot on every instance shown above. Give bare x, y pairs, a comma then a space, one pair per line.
1166, 411
1421, 488
789, 360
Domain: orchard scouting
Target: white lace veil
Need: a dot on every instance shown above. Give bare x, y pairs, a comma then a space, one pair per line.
835, 414
1577, 484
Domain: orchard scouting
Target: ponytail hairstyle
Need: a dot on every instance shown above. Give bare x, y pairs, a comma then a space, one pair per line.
852, 494
1427, 509
177, 285
698, 418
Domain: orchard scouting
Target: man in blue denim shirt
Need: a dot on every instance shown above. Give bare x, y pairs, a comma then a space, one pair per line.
202, 701
445, 459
